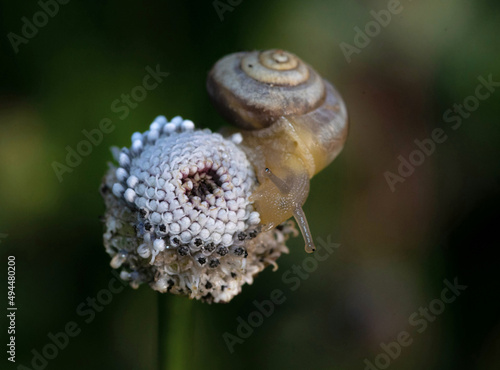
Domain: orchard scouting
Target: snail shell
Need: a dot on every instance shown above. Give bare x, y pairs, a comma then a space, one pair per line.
294, 123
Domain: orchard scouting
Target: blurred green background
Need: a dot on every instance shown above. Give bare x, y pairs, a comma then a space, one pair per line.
396, 248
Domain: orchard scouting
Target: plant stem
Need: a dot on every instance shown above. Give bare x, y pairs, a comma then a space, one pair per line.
174, 331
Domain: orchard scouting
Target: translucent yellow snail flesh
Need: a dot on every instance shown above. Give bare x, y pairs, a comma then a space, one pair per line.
294, 124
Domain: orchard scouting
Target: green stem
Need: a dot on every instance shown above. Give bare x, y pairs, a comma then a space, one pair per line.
174, 331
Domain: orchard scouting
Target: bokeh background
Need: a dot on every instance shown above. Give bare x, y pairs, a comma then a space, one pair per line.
396, 248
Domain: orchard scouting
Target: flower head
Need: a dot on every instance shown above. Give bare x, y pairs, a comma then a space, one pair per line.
178, 214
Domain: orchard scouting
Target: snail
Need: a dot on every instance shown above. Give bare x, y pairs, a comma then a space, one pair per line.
293, 124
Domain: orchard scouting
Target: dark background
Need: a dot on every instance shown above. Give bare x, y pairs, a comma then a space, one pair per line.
396, 248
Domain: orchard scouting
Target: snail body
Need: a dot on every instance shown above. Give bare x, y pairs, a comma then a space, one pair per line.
293, 123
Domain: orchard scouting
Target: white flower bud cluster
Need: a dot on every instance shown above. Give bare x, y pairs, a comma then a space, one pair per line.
179, 216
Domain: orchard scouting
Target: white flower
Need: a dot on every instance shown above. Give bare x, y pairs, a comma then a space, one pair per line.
179, 217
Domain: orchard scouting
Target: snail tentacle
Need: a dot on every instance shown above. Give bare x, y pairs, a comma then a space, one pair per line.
298, 212
300, 217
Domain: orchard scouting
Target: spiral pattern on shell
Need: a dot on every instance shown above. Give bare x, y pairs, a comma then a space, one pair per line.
253, 89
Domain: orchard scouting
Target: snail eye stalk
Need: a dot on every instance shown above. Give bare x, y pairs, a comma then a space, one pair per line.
298, 212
